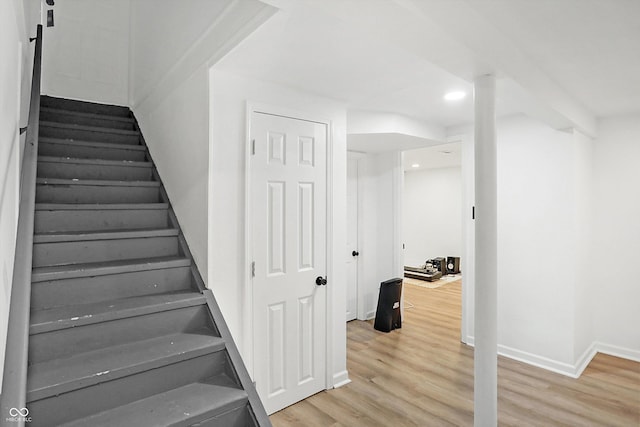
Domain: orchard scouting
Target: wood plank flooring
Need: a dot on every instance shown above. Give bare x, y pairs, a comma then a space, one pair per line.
421, 375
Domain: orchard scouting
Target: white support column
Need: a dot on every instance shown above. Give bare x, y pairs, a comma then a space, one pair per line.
486, 295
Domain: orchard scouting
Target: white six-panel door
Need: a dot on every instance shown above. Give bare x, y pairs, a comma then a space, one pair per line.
288, 215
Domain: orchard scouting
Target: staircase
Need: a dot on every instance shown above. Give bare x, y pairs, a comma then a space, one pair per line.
122, 329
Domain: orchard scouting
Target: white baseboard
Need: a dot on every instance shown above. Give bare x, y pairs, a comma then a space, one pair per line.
585, 359
614, 350
538, 361
340, 379
568, 369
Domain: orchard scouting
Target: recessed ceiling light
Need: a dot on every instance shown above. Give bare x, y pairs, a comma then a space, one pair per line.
455, 96
415, 165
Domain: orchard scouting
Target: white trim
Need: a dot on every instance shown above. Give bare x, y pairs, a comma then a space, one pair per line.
467, 170
247, 315
584, 360
330, 272
360, 303
341, 379
567, 369
397, 204
130, 59
538, 361
247, 290
614, 350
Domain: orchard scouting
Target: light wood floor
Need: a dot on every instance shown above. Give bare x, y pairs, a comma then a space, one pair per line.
421, 375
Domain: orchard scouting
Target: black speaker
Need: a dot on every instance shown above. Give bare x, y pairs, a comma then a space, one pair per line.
439, 264
453, 265
388, 316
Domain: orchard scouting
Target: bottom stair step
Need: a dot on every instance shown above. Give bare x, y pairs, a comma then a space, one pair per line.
217, 401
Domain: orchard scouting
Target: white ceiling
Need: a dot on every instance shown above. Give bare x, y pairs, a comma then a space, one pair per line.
307, 49
589, 47
564, 61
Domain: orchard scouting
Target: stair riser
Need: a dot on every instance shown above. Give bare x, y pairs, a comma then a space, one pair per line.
238, 417
84, 107
87, 135
59, 117
89, 171
62, 253
47, 193
97, 220
80, 403
84, 152
67, 342
87, 290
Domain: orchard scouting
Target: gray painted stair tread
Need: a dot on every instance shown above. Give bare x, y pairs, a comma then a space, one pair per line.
70, 316
102, 235
85, 114
94, 144
41, 274
182, 406
98, 206
88, 128
96, 182
84, 106
81, 370
96, 162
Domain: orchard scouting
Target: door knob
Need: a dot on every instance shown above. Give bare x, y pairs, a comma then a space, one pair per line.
355, 253
321, 281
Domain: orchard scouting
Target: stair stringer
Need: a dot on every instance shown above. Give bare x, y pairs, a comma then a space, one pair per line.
257, 412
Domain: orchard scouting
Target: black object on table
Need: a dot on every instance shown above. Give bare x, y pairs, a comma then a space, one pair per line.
388, 315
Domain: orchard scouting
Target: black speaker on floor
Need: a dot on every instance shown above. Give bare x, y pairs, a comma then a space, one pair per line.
388, 316
453, 265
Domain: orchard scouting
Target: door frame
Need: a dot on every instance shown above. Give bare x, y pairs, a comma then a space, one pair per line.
247, 289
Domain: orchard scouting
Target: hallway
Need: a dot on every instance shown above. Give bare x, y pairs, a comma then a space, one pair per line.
385, 389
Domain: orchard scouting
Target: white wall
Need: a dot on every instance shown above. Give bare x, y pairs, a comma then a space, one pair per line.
583, 170
162, 32
173, 46
432, 214
227, 265
177, 134
544, 303
615, 269
380, 182
16, 25
535, 237
86, 52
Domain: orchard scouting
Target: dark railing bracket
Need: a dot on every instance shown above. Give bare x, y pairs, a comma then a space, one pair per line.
32, 39
23, 130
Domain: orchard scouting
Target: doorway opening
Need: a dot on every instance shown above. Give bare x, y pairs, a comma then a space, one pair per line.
432, 216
